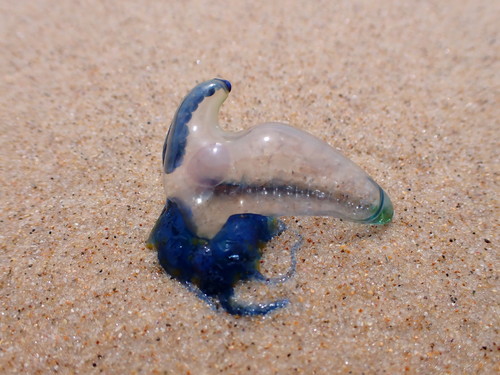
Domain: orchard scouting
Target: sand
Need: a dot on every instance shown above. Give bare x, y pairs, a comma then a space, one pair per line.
408, 90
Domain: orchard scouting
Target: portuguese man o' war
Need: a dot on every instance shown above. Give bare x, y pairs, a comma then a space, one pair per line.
225, 191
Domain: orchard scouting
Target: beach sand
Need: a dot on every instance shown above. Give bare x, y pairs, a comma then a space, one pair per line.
407, 90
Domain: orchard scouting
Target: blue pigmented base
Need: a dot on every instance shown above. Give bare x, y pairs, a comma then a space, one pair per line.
215, 265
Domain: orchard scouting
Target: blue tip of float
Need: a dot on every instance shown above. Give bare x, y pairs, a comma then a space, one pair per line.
227, 83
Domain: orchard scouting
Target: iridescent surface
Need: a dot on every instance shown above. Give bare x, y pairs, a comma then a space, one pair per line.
225, 189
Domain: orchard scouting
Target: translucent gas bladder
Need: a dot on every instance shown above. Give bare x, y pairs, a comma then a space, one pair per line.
271, 170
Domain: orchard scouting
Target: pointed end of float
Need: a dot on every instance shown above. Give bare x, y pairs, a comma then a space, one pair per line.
385, 211
226, 83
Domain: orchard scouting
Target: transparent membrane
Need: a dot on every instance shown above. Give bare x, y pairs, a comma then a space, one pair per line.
271, 169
